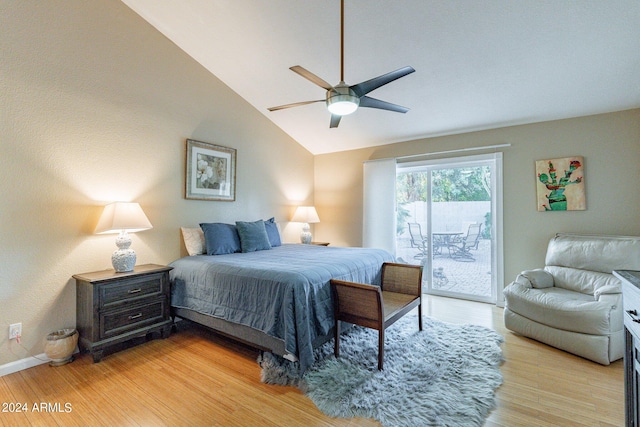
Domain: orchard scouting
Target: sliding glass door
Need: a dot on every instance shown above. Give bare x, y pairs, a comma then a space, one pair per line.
449, 221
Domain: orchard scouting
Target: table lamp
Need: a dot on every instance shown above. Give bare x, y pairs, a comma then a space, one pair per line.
305, 215
122, 218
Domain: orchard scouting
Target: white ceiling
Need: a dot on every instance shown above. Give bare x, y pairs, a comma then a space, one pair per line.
479, 64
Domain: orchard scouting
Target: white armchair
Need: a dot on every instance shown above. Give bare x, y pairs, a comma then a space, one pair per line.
574, 303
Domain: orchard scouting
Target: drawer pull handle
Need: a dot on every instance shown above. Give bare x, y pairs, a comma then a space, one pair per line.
134, 291
633, 313
135, 316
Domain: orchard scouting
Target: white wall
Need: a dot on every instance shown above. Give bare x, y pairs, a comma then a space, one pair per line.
95, 106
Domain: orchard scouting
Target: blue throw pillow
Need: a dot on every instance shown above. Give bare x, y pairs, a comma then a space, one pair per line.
272, 231
253, 236
220, 238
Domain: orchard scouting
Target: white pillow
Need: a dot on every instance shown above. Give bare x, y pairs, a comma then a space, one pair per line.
193, 240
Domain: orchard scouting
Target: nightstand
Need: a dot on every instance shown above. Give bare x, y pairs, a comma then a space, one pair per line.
115, 307
320, 243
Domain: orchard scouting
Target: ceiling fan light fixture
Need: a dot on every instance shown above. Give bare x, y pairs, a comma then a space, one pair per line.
343, 105
343, 99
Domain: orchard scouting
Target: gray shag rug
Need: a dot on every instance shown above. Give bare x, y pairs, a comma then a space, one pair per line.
445, 375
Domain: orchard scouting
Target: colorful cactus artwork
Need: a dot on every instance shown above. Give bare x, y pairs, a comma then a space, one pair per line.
560, 184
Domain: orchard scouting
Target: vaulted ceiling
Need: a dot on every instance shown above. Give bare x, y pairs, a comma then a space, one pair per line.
479, 64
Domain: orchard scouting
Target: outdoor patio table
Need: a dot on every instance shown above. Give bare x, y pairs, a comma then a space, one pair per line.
441, 239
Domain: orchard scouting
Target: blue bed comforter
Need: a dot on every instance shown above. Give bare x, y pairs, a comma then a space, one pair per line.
283, 292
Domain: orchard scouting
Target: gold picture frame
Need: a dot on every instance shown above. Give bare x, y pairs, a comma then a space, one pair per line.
210, 172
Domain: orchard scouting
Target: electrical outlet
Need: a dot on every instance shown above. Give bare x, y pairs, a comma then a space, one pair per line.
15, 330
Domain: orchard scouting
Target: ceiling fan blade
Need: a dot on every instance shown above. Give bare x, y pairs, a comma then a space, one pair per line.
364, 88
335, 121
311, 77
295, 104
366, 101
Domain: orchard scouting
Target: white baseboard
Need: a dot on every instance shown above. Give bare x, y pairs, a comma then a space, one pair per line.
26, 363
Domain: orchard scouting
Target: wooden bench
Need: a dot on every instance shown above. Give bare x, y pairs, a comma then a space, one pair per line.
378, 307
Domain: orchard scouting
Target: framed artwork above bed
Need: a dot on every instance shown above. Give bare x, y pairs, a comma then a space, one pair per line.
210, 172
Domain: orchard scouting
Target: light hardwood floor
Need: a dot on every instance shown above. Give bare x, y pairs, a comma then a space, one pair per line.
195, 378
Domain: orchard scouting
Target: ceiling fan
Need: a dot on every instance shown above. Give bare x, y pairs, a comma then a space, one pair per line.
343, 99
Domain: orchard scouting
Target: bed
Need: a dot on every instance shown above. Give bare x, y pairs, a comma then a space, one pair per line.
277, 300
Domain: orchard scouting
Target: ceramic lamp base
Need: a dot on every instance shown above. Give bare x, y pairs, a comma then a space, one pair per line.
124, 259
305, 235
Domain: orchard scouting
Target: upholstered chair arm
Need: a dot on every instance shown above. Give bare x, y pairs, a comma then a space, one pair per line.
523, 281
537, 278
614, 302
606, 290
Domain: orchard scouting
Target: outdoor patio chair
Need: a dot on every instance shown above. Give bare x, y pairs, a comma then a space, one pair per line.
459, 248
418, 241
378, 307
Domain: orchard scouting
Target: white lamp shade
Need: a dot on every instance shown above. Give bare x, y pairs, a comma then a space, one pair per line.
120, 216
306, 214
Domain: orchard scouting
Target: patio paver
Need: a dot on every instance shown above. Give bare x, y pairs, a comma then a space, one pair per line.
470, 277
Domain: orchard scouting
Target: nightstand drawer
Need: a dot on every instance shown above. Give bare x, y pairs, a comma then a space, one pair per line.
120, 321
136, 287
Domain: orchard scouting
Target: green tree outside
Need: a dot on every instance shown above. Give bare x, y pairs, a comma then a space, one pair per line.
449, 185
472, 184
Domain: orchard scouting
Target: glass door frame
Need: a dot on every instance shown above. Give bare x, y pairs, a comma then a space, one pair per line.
494, 161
